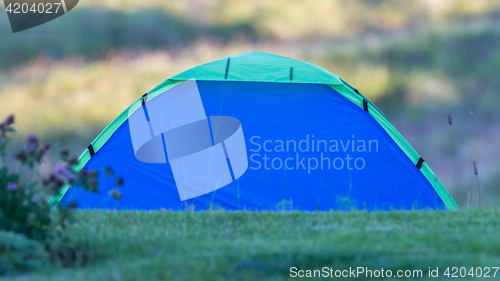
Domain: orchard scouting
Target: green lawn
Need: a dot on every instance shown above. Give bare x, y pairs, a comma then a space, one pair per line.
263, 246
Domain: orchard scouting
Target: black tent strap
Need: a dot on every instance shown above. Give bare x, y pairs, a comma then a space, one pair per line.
420, 162
365, 105
144, 98
291, 73
356, 91
91, 150
227, 68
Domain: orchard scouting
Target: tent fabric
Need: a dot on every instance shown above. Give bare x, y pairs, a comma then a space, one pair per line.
275, 99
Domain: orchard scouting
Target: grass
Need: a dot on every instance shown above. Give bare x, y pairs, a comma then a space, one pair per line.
263, 246
67, 79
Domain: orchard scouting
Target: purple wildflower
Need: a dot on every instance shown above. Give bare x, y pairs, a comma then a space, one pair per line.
64, 152
115, 193
12, 186
10, 120
60, 170
32, 138
69, 177
32, 143
22, 157
73, 161
45, 147
7, 122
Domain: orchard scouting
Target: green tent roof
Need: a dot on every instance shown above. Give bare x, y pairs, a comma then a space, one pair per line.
258, 67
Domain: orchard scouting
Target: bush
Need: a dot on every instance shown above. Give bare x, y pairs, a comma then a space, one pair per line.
20, 255
24, 195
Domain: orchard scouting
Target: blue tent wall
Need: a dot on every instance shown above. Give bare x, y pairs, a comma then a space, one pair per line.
273, 111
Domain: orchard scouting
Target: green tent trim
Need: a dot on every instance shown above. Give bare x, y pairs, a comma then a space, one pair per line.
265, 67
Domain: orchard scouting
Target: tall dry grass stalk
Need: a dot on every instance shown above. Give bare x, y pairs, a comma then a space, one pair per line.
453, 147
480, 203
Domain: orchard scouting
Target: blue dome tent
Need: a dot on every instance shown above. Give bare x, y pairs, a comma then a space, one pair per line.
257, 131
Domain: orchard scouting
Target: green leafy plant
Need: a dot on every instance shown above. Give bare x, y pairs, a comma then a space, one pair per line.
20, 255
24, 193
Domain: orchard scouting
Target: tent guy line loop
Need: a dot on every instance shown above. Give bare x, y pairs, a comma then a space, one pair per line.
420, 162
365, 105
365, 102
227, 68
91, 150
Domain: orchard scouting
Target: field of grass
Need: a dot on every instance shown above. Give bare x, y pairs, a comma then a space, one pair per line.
263, 246
418, 61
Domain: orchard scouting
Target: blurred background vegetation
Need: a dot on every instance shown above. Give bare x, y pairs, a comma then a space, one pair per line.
419, 61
